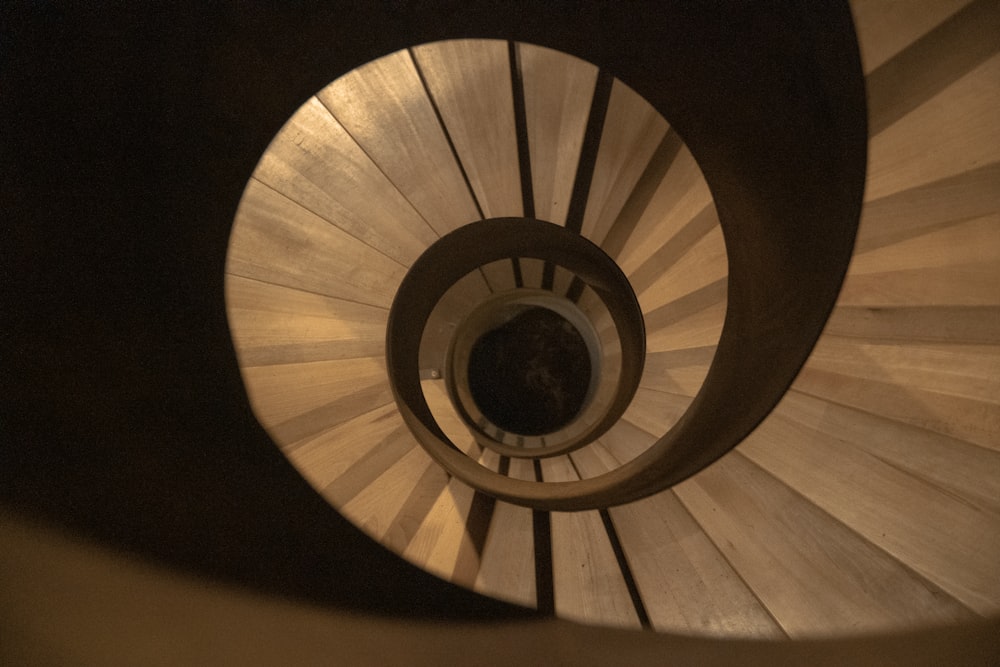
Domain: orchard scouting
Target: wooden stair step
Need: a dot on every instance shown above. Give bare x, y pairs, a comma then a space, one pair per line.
816, 576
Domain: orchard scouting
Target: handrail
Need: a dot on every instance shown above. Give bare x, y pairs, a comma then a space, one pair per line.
466, 249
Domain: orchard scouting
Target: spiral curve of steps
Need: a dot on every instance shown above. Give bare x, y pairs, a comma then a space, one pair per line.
869, 501
146, 517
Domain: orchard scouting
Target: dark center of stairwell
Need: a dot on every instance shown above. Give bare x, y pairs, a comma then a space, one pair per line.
530, 375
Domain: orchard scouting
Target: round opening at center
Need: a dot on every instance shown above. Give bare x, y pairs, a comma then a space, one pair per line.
531, 374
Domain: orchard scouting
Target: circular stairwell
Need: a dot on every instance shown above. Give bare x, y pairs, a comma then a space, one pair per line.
866, 504
836, 516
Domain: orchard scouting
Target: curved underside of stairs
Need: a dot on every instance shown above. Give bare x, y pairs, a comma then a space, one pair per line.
868, 501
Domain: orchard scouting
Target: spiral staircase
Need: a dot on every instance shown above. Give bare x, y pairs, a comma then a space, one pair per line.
866, 503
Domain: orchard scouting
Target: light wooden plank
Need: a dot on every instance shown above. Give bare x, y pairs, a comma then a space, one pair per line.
500, 275
886, 27
680, 371
325, 457
384, 107
271, 324
681, 196
249, 294
489, 459
593, 460
925, 67
686, 584
693, 320
557, 92
589, 585
975, 241
971, 371
469, 81
656, 411
436, 395
418, 504
959, 324
625, 441
296, 400
314, 162
531, 271
382, 510
562, 279
507, 569
436, 545
674, 249
275, 240
971, 284
632, 131
952, 543
376, 461
815, 575
953, 132
523, 469
267, 339
703, 264
926, 208
958, 264
963, 469
972, 419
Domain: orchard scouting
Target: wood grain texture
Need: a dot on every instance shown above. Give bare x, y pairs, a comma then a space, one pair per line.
907, 324
507, 569
589, 585
815, 575
365, 470
656, 411
925, 67
925, 208
522, 469
469, 81
948, 540
315, 163
499, 275
953, 132
681, 196
955, 265
293, 401
680, 371
886, 27
964, 470
557, 93
436, 544
632, 132
271, 325
436, 395
384, 107
954, 369
276, 240
322, 459
531, 270
625, 441
686, 584
392, 508
703, 265
692, 321
976, 420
